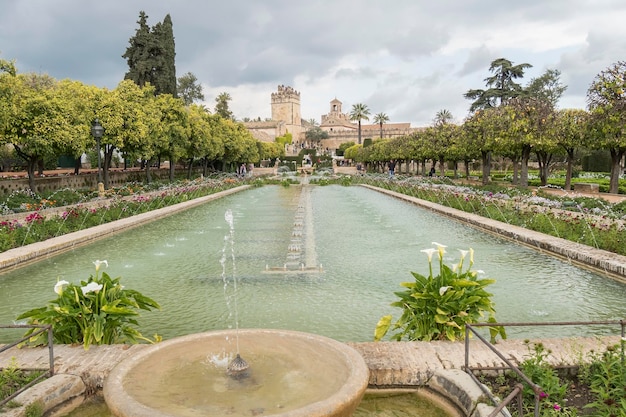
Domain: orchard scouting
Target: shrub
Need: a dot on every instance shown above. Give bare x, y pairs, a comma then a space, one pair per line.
98, 311
438, 307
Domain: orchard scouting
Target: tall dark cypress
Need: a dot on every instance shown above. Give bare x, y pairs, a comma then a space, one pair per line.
138, 54
165, 54
151, 56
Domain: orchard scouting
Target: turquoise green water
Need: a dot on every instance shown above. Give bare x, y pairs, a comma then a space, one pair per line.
367, 245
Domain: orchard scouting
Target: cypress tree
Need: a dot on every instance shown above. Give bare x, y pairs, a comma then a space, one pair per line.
165, 55
138, 54
151, 56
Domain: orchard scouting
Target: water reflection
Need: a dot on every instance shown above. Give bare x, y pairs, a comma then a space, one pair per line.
367, 242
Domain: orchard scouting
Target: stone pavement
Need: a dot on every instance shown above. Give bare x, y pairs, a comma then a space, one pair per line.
391, 364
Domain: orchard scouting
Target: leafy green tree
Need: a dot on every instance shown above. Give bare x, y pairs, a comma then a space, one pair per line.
8, 67
501, 86
174, 129
343, 146
315, 134
359, 112
130, 119
188, 89
571, 133
547, 87
380, 119
222, 107
606, 99
37, 118
482, 131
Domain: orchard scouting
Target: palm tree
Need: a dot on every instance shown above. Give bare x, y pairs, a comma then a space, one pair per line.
381, 118
359, 112
443, 117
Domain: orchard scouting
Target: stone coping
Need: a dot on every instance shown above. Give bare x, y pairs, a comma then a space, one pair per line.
436, 365
600, 261
30, 253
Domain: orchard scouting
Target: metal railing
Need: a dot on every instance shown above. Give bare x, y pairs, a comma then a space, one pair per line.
46, 372
517, 391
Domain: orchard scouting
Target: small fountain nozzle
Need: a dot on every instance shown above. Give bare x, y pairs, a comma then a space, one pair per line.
237, 366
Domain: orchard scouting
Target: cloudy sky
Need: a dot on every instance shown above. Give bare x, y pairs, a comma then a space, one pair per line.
406, 58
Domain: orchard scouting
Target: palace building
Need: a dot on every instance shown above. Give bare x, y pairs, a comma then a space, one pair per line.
286, 118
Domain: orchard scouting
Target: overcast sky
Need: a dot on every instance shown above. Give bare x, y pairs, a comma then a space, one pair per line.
406, 58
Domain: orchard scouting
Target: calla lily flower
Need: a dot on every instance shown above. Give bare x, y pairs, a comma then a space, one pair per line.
429, 252
98, 263
58, 287
441, 248
91, 287
443, 290
463, 255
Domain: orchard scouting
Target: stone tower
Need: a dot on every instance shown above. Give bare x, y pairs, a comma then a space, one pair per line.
286, 109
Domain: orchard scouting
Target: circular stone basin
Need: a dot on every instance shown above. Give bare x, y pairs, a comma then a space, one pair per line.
291, 374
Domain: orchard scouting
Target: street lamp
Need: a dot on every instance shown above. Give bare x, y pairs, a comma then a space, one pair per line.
97, 131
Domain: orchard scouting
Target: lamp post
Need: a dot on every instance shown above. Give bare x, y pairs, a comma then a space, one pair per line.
97, 131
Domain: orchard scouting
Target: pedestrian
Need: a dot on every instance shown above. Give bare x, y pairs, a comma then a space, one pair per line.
432, 171
392, 168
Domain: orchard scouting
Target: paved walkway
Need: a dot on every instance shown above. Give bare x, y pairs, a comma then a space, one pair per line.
391, 364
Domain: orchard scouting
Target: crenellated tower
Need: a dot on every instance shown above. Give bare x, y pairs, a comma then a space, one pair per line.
286, 109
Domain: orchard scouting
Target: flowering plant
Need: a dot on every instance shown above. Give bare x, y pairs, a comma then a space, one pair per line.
438, 307
98, 311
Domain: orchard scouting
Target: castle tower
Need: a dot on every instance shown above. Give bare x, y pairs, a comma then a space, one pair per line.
286, 109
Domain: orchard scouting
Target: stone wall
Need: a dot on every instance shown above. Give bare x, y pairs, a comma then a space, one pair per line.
80, 181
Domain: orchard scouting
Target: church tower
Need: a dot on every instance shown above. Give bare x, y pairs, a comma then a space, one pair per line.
286, 109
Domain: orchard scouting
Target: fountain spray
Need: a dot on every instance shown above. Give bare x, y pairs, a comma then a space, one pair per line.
238, 366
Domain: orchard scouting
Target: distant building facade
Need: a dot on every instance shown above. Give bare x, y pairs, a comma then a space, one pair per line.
286, 117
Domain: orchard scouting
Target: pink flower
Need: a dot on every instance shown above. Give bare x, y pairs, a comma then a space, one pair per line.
557, 407
543, 395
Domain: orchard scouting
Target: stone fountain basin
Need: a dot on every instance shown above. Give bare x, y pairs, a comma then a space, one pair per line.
291, 374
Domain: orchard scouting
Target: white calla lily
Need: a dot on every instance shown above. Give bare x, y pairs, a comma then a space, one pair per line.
60, 285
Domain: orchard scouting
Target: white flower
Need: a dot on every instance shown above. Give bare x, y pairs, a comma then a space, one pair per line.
98, 263
463, 254
91, 287
58, 287
443, 290
429, 252
441, 248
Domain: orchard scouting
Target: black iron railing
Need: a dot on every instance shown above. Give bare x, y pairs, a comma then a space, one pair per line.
517, 391
45, 372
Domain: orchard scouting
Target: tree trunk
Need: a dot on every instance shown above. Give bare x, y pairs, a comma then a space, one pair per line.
486, 157
359, 131
77, 165
148, 173
455, 164
616, 159
515, 179
467, 169
442, 166
570, 167
524, 169
171, 167
544, 159
30, 168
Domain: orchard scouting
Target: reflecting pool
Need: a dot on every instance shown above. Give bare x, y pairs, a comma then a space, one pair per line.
357, 247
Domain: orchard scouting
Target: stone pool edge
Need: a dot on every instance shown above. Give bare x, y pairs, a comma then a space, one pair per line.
597, 260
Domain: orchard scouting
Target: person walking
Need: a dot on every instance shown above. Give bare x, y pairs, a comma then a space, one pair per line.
392, 168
